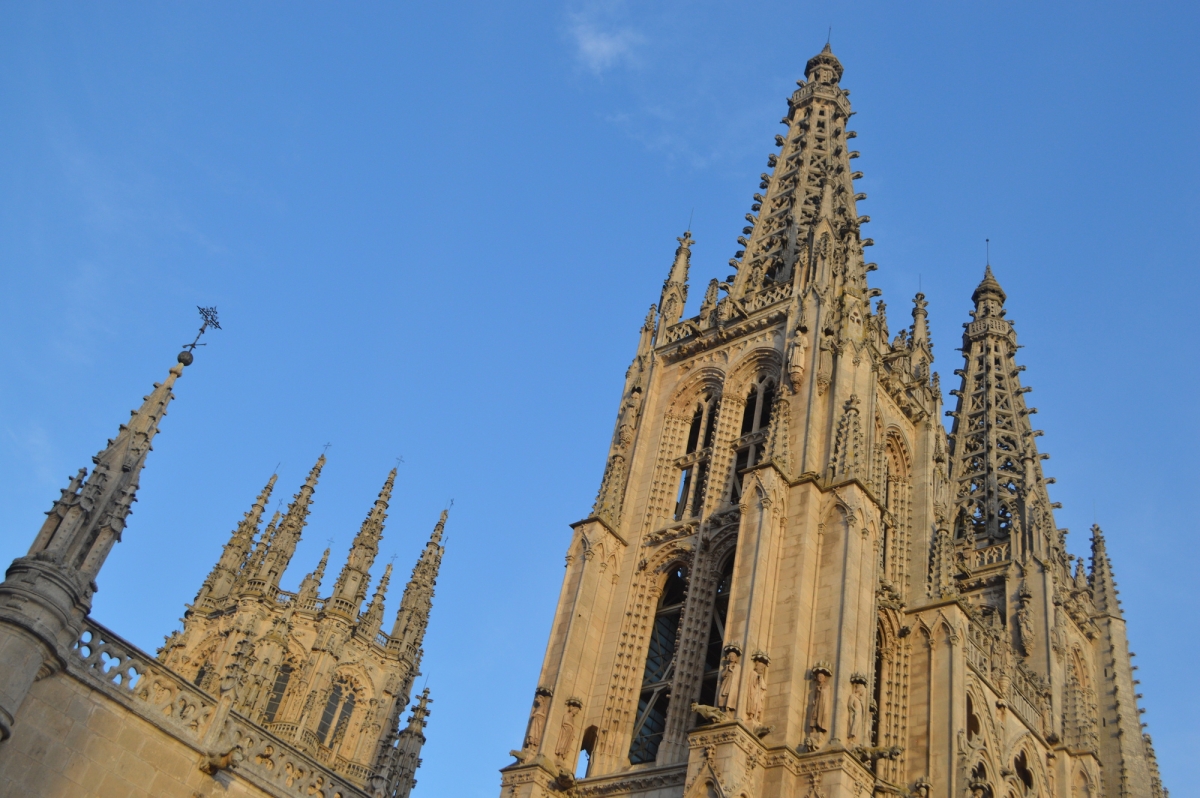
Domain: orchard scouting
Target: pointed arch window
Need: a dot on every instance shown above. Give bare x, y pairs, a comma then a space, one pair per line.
693, 466
756, 419
338, 709
282, 677
655, 696
716, 635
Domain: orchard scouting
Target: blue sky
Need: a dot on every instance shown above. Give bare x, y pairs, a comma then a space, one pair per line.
433, 231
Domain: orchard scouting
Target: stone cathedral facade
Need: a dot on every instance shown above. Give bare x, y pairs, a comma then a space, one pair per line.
265, 692
794, 581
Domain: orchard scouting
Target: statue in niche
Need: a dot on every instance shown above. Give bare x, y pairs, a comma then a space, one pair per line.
820, 714
824, 363
537, 719
727, 692
796, 356
856, 708
756, 693
566, 732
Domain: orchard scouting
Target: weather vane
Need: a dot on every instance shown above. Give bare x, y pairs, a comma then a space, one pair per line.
209, 317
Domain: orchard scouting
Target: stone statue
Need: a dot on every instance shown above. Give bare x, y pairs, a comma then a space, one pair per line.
566, 732
756, 693
796, 356
821, 719
855, 710
727, 692
537, 721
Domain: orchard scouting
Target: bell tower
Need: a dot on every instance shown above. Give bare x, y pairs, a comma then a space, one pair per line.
794, 581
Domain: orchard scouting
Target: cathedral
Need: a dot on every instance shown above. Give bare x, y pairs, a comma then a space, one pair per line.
265, 692
794, 581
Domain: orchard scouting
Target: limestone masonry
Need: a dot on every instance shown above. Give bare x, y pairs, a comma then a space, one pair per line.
793, 581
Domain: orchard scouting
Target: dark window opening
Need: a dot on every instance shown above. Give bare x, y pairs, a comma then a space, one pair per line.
1021, 766
331, 706
756, 418
877, 691
655, 698
583, 768
689, 501
277, 690
716, 635
973, 726
200, 674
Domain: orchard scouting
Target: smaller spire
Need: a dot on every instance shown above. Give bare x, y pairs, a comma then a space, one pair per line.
412, 618
225, 573
408, 747
287, 534
312, 583
1104, 585
372, 619
351, 587
675, 288
920, 330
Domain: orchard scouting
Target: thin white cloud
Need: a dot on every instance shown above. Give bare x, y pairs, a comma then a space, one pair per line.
600, 46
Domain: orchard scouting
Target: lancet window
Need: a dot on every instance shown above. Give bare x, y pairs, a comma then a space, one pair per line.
694, 465
336, 716
756, 419
716, 635
282, 678
655, 697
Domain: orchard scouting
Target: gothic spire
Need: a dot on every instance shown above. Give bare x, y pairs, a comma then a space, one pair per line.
311, 584
675, 287
413, 616
994, 459
283, 542
372, 619
351, 586
408, 748
224, 574
88, 519
1104, 586
807, 224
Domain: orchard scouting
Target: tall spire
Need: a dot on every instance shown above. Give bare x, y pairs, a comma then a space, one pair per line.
675, 287
351, 586
224, 574
84, 524
283, 543
372, 619
994, 459
807, 228
413, 616
47, 593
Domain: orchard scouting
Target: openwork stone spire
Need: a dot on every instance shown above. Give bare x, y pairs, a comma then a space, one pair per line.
224, 574
807, 219
994, 460
311, 584
351, 586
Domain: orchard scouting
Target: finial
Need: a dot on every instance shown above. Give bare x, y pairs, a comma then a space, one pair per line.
209, 319
987, 243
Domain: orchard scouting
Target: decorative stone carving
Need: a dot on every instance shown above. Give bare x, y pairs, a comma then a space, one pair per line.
729, 685
537, 718
756, 692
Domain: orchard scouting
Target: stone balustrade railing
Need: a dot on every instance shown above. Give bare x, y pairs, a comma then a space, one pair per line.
205, 724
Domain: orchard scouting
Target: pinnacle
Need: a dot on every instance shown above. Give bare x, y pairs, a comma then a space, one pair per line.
988, 285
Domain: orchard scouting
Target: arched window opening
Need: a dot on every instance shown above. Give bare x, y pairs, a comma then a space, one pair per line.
877, 688
200, 674
1021, 768
756, 419
339, 707
716, 635
693, 466
655, 697
282, 677
583, 767
973, 725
